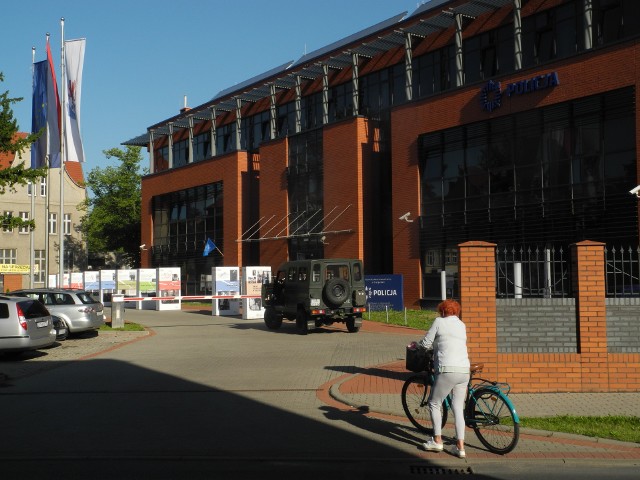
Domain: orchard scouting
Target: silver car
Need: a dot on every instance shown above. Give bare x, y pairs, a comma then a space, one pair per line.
76, 308
25, 324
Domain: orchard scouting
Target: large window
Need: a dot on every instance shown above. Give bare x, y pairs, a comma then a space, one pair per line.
202, 146
182, 221
615, 19
180, 153
554, 175
8, 255
434, 72
489, 54
305, 182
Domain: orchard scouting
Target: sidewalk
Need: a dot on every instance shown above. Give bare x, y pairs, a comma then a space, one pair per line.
375, 391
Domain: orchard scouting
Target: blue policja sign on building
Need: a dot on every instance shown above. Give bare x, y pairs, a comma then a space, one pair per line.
384, 291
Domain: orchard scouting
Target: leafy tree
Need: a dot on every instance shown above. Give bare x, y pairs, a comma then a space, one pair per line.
112, 221
11, 143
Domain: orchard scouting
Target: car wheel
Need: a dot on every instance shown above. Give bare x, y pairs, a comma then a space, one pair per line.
351, 325
336, 291
301, 322
272, 320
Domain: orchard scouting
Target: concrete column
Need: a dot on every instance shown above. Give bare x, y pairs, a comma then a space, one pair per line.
408, 67
152, 166
459, 56
298, 104
213, 132
325, 94
170, 145
273, 112
588, 24
355, 82
190, 120
517, 33
238, 124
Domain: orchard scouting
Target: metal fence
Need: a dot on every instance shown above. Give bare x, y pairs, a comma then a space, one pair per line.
622, 271
541, 272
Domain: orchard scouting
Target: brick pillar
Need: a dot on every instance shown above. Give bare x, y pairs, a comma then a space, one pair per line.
477, 262
591, 313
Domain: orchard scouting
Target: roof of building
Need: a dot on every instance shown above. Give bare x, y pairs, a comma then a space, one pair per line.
74, 169
7, 158
430, 17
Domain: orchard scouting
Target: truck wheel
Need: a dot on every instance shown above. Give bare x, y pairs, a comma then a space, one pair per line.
336, 291
272, 320
301, 322
351, 325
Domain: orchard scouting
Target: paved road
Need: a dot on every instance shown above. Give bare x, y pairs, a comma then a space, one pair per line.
202, 396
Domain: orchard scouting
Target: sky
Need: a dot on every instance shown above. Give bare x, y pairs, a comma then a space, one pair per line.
142, 57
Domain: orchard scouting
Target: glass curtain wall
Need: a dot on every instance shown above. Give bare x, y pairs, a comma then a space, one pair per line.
551, 176
182, 223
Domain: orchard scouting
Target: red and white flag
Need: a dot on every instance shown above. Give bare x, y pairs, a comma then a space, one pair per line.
74, 61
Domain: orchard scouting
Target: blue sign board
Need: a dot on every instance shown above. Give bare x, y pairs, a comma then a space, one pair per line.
384, 292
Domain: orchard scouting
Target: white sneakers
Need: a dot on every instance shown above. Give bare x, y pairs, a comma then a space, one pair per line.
455, 451
431, 446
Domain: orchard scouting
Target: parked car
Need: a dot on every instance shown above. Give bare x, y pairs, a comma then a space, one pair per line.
61, 329
76, 308
25, 324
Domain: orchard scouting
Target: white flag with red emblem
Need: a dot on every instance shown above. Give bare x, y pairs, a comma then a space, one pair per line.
74, 61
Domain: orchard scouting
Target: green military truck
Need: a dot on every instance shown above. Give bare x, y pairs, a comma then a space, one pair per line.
315, 293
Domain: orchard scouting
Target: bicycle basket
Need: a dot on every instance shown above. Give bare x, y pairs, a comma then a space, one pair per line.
417, 358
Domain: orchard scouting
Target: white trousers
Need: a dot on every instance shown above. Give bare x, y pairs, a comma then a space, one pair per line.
445, 384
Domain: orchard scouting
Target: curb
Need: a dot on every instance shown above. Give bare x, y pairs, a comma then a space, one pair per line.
334, 392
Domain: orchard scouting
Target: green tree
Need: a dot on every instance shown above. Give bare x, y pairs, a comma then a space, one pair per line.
11, 143
112, 220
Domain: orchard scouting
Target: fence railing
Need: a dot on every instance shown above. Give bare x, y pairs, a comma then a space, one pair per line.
523, 272
622, 271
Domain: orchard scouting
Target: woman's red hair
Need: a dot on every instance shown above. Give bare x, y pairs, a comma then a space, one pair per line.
449, 307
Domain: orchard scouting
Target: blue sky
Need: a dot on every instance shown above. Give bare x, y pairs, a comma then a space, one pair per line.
142, 57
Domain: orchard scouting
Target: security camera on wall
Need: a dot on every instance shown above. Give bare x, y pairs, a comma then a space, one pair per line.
405, 217
635, 191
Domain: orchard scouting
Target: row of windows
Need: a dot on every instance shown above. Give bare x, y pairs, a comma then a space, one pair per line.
552, 173
185, 219
548, 35
52, 224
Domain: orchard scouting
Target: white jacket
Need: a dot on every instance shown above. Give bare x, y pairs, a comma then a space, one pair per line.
448, 338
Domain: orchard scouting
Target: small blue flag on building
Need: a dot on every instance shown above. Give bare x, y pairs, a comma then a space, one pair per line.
209, 247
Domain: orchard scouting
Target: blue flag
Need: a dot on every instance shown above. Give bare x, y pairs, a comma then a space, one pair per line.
208, 247
39, 113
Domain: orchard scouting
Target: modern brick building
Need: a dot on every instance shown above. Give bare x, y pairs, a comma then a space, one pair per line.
513, 122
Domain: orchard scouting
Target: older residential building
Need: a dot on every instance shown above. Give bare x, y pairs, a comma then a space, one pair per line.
17, 244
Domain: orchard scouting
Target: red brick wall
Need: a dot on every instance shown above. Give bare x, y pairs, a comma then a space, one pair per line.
345, 146
274, 204
592, 369
231, 169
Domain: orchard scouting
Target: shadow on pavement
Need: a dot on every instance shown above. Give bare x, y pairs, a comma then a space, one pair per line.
104, 419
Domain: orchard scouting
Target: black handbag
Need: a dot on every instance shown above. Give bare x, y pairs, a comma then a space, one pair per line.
418, 359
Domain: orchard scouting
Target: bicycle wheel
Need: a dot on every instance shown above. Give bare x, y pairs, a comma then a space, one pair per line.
415, 394
492, 420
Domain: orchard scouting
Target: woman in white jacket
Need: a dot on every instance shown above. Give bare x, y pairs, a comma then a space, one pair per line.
448, 339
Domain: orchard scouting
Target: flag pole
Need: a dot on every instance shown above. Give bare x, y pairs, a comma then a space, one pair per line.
62, 157
33, 186
47, 200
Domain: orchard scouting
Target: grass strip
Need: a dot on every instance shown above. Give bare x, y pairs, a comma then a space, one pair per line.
623, 428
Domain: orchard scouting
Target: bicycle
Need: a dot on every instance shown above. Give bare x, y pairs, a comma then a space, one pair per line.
488, 409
